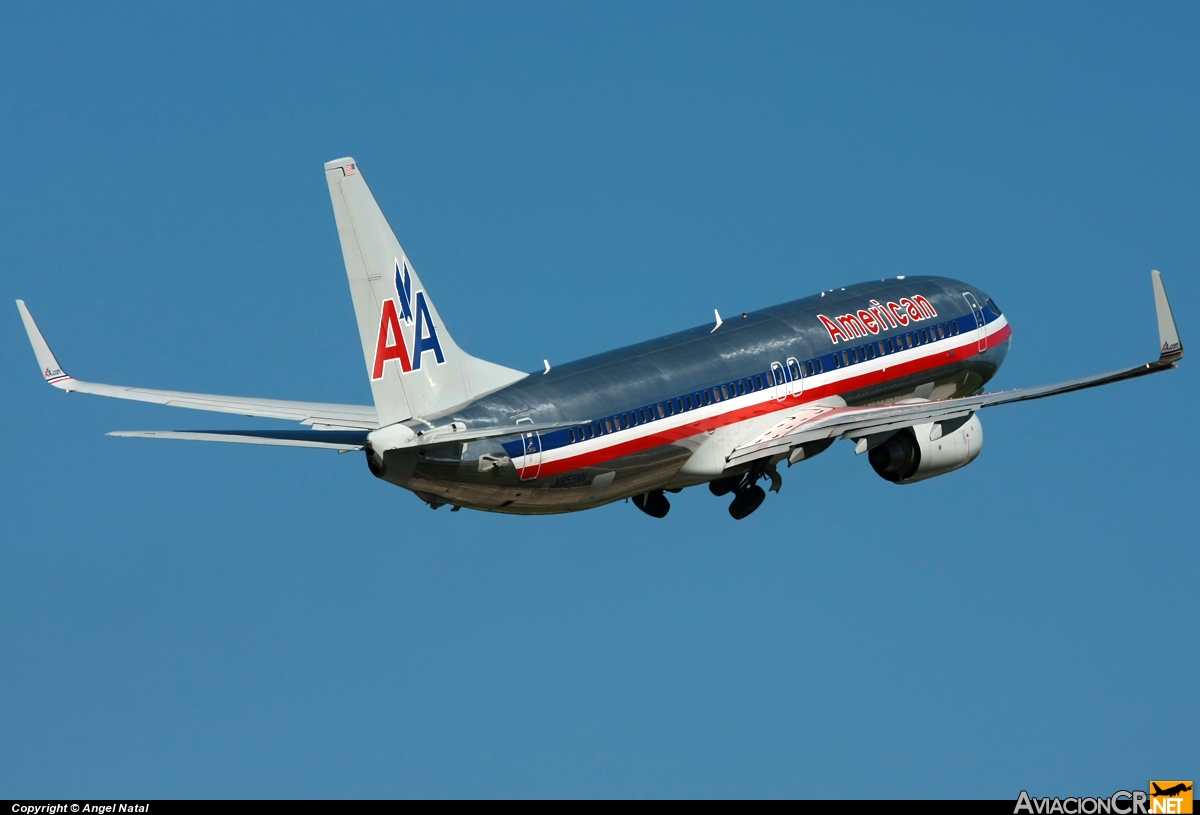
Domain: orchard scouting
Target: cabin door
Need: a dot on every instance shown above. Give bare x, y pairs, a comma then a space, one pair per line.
531, 442
980, 337
781, 384
795, 377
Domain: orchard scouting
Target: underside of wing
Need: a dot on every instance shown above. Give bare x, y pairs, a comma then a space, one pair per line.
340, 440
817, 422
315, 414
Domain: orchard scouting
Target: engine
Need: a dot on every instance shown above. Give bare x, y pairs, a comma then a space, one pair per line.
927, 450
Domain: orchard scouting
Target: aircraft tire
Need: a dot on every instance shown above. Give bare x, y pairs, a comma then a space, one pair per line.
747, 501
654, 504
724, 486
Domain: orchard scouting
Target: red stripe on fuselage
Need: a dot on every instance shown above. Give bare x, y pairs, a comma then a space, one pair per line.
968, 349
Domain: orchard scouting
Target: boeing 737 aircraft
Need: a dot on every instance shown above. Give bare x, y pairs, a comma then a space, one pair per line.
897, 367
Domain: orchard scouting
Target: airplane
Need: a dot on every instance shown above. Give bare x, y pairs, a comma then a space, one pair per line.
1170, 792
897, 367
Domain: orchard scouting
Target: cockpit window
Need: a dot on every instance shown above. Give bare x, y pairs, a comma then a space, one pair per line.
992, 305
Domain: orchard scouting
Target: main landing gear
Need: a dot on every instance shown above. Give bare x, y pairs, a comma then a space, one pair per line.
654, 504
747, 495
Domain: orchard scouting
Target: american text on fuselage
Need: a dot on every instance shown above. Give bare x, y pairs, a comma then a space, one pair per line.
666, 414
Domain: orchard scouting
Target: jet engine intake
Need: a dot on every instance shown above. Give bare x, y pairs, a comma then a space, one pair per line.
928, 450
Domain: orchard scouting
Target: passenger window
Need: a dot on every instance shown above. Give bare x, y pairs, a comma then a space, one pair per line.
689, 402
845, 357
724, 392
882, 348
741, 387
908, 340
642, 413
716, 394
925, 335
679, 406
820, 367
663, 414
624, 420
854, 355
941, 332
870, 352
759, 379
608, 426
954, 328
571, 434
703, 396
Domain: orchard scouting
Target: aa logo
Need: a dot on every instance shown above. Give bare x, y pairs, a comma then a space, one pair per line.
1171, 796
391, 342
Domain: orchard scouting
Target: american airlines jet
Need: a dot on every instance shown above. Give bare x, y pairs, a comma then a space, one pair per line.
896, 367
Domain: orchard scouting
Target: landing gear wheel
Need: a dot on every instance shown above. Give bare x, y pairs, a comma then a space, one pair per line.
746, 502
724, 486
654, 504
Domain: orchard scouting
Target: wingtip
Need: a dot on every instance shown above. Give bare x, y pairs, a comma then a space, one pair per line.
51, 370
1170, 346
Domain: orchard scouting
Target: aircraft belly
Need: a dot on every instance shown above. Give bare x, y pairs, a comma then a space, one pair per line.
585, 488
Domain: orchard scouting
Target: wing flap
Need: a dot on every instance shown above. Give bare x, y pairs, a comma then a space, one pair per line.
341, 440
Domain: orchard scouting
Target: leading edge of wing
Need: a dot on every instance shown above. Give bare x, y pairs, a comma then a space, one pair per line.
321, 414
810, 424
341, 440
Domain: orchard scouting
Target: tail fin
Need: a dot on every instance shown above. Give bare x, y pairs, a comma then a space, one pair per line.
416, 369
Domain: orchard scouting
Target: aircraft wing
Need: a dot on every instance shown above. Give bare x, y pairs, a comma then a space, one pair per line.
815, 422
315, 414
340, 440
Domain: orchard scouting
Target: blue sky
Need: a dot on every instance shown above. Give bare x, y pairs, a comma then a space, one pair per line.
213, 620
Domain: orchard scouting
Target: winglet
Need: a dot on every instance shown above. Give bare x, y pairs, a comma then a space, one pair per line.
1168, 334
51, 370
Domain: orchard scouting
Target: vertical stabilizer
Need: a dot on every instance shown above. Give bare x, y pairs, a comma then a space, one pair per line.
415, 367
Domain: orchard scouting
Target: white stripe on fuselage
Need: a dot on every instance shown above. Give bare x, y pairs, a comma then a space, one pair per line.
766, 395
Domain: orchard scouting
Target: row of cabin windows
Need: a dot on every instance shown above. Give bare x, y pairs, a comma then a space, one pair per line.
691, 401
891, 345
758, 382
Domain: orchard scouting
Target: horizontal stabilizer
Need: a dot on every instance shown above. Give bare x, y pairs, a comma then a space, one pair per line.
343, 440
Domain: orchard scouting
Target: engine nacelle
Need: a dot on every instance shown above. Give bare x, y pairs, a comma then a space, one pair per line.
927, 450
